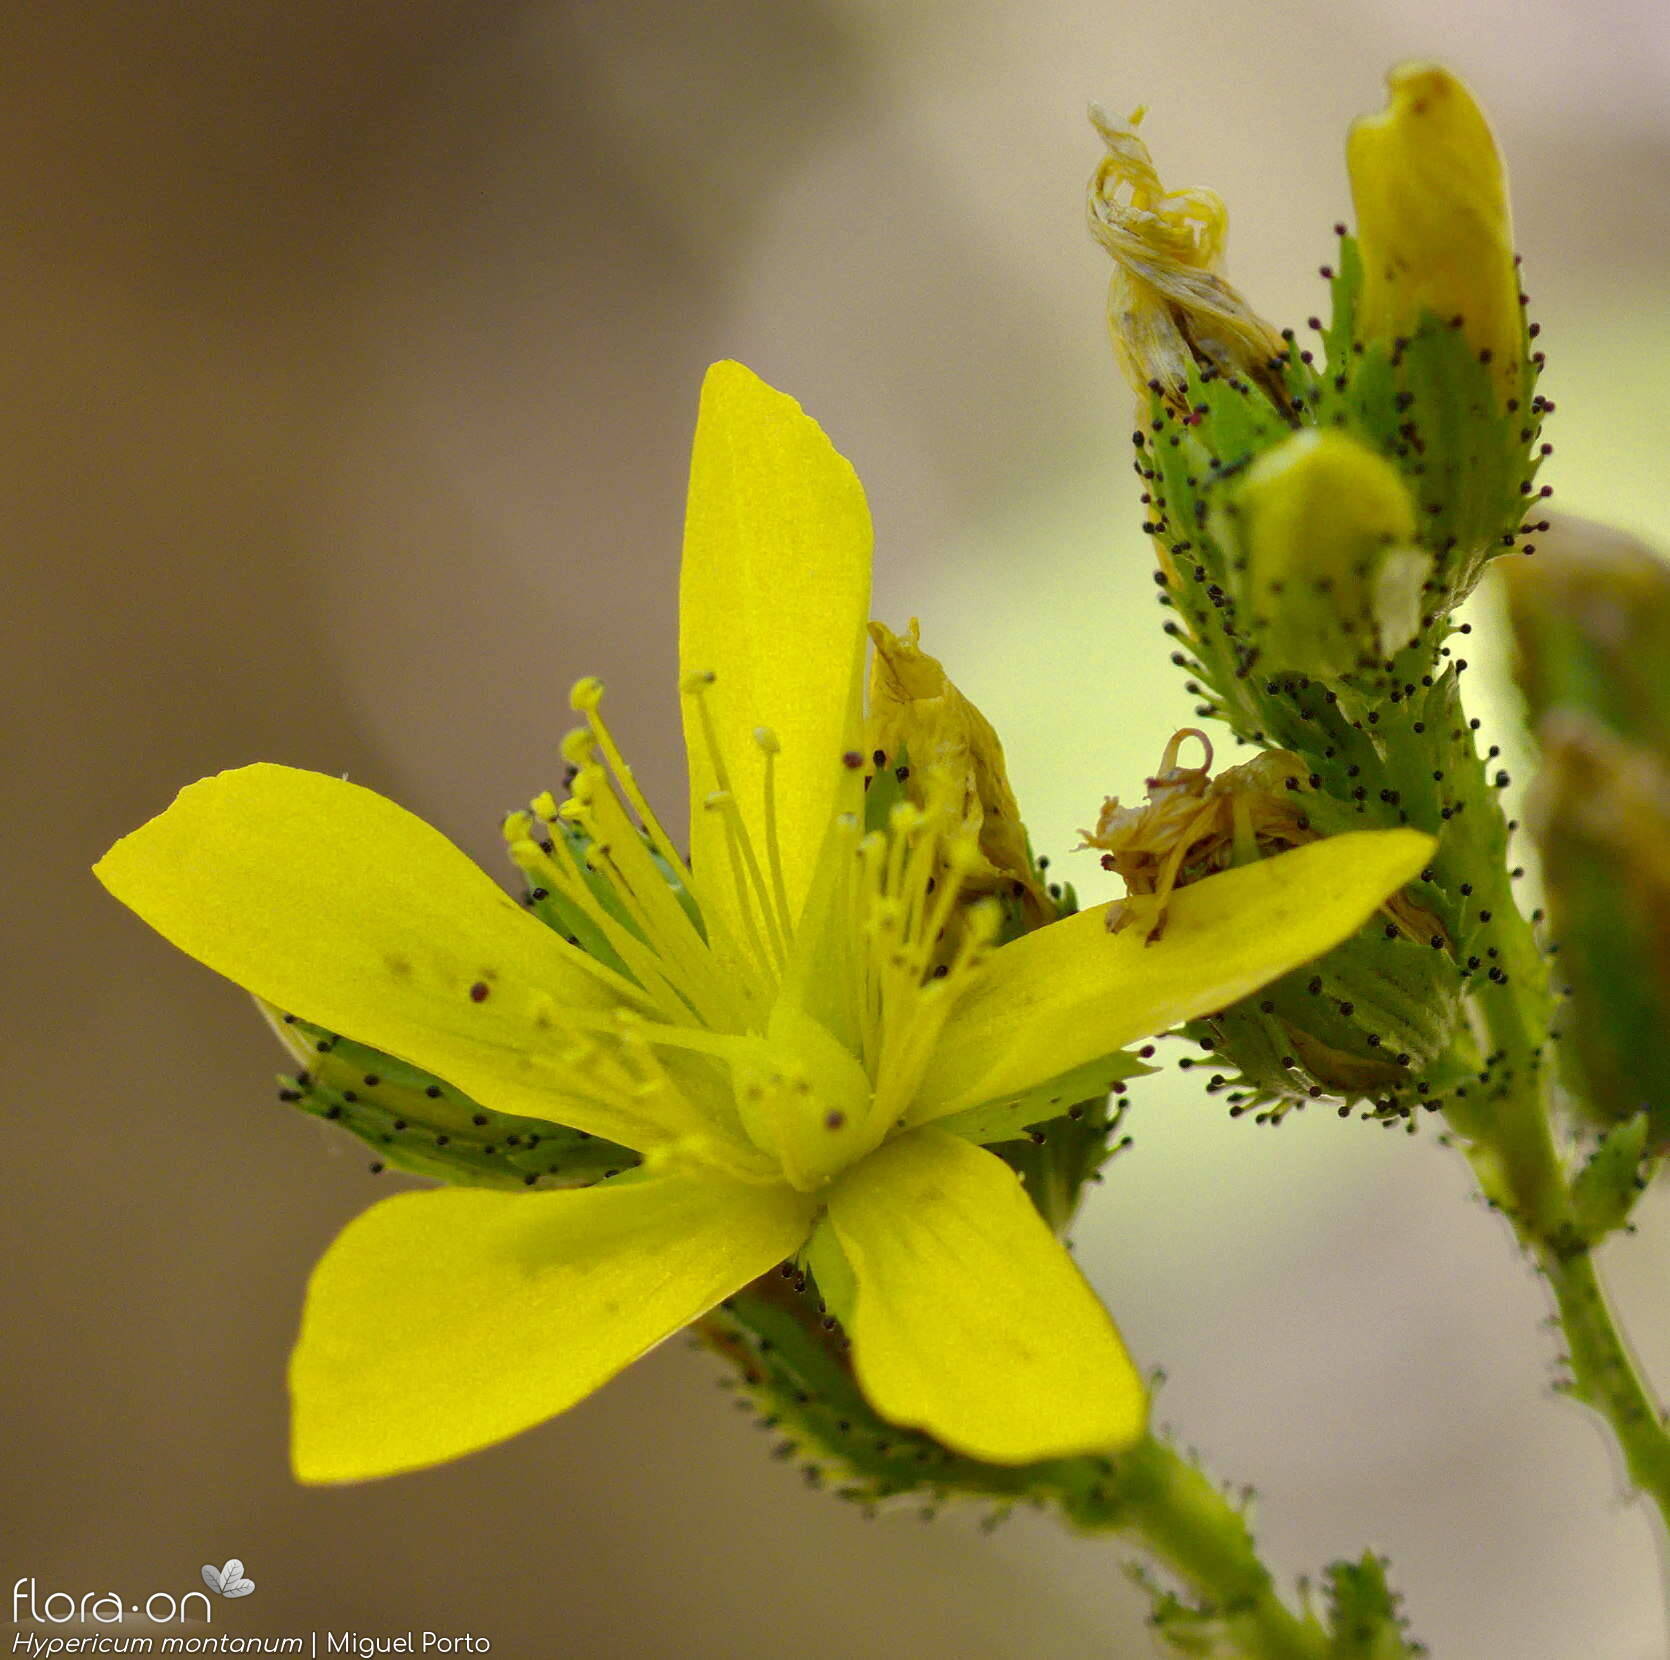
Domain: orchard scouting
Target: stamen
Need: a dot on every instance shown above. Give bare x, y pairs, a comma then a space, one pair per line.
566, 877
586, 699
751, 891
644, 891
767, 740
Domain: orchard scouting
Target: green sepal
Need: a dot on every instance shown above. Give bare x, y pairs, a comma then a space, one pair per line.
1057, 1137
1604, 1191
1057, 1160
421, 1125
1428, 404
792, 1362
1345, 287
883, 789
1363, 1618
1057, 1098
1375, 1019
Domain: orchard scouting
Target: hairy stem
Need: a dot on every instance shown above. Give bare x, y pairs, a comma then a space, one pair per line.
1605, 1376
1183, 1521
1514, 1153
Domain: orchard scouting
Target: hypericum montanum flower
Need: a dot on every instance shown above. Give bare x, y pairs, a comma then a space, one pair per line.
791, 1054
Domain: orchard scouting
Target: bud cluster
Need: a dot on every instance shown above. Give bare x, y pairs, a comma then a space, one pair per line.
1317, 520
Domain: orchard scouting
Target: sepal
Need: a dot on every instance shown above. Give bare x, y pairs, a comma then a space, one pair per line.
1604, 1191
421, 1125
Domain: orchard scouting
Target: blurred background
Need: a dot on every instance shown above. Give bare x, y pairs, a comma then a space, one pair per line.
352, 354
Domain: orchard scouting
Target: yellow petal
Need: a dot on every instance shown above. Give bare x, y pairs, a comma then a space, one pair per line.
1058, 998
332, 903
441, 1322
773, 599
1432, 218
971, 1321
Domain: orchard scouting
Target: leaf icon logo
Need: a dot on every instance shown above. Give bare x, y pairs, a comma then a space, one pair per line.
228, 1580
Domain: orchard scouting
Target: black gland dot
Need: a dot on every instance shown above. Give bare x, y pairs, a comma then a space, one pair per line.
478, 992
834, 1120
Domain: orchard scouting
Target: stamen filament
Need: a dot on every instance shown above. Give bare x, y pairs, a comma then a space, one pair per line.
641, 887
586, 699
767, 740
751, 891
569, 880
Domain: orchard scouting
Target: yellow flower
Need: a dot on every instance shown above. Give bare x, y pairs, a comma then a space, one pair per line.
1170, 311
1433, 223
782, 1040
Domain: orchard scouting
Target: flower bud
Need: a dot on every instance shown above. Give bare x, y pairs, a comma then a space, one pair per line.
1433, 225
1170, 312
1332, 576
1429, 347
1591, 618
1601, 816
1591, 624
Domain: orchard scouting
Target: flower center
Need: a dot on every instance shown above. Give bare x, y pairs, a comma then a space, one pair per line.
802, 1037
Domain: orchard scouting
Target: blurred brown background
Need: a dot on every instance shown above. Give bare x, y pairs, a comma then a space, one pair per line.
351, 356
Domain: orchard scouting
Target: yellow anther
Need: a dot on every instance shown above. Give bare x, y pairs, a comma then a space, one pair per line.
517, 826
904, 817
716, 801
983, 921
693, 685
587, 695
545, 804
767, 740
525, 852
579, 747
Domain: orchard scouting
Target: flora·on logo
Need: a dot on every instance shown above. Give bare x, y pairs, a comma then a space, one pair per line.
107, 1607
228, 1580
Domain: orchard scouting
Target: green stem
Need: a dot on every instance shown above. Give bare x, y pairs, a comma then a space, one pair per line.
1182, 1520
1604, 1373
1513, 1151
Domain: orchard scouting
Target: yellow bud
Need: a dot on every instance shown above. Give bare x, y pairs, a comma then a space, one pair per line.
1333, 575
1433, 222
